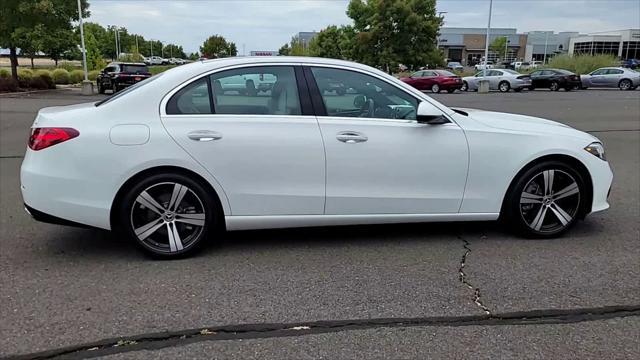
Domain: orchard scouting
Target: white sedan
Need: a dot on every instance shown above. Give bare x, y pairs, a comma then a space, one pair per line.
499, 79
174, 159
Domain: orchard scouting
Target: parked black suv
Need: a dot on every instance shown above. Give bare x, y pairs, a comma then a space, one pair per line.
118, 75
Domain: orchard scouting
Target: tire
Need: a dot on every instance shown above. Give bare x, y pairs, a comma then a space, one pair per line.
531, 88
100, 88
465, 86
504, 86
435, 88
554, 86
568, 88
517, 90
192, 218
532, 213
625, 84
114, 88
451, 91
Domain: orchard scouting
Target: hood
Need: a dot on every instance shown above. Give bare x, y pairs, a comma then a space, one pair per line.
524, 123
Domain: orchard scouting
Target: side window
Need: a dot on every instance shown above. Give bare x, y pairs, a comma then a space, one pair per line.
599, 72
430, 73
192, 99
362, 95
536, 73
418, 74
260, 90
614, 72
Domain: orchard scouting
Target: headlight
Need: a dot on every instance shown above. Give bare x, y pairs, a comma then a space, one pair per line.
596, 149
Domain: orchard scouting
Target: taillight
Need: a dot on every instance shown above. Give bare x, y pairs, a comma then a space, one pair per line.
42, 138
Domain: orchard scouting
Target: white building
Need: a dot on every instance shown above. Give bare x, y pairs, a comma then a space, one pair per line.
546, 44
624, 44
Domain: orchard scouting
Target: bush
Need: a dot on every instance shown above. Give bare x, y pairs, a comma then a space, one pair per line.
93, 75
582, 64
24, 74
5, 73
39, 83
67, 65
159, 68
76, 76
46, 77
60, 76
8, 85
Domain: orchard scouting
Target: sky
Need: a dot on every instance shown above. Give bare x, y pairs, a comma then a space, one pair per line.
268, 24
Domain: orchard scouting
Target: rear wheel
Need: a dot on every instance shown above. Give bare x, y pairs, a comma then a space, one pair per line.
435, 88
114, 88
545, 200
100, 88
167, 215
504, 86
625, 84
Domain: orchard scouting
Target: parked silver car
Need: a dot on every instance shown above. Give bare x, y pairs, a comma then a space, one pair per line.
625, 79
499, 79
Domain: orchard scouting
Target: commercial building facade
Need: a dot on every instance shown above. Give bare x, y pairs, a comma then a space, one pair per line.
624, 44
543, 45
467, 45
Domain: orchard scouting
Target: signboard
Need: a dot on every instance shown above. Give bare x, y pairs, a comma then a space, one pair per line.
264, 53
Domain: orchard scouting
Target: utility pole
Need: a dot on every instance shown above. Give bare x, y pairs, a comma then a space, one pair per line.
115, 34
161, 50
87, 86
119, 44
546, 41
137, 49
151, 42
506, 45
486, 43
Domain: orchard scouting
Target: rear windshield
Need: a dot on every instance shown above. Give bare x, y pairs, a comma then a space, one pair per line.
129, 89
135, 69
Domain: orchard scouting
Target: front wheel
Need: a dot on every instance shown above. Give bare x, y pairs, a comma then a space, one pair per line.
504, 86
167, 215
435, 88
554, 86
545, 200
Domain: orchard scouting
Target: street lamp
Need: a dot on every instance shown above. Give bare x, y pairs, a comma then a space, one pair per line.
87, 86
486, 43
506, 45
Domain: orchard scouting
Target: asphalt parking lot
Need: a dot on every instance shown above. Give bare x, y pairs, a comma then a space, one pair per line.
365, 292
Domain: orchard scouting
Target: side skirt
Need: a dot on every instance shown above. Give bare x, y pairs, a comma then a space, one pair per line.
293, 221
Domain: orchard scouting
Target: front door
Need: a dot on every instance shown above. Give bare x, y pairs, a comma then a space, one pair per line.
379, 159
263, 149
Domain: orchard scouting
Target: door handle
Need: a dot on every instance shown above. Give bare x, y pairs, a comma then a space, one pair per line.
351, 137
204, 135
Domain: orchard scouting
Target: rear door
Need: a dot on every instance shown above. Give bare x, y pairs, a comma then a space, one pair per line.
613, 77
265, 148
380, 160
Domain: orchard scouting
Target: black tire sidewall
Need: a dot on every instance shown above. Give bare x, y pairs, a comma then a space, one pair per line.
502, 83
511, 210
128, 200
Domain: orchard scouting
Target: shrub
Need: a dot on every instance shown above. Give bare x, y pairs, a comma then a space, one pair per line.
25, 74
8, 85
93, 75
39, 83
60, 76
67, 65
5, 73
76, 76
159, 68
582, 64
46, 77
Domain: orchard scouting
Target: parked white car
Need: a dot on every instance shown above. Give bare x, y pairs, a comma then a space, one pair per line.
483, 65
176, 61
612, 77
170, 161
521, 65
155, 60
499, 79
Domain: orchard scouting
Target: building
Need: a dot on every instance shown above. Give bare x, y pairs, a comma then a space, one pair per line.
543, 45
306, 37
467, 45
624, 44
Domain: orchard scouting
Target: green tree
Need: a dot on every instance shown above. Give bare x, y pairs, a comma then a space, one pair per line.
333, 42
498, 46
298, 47
31, 41
216, 46
393, 32
194, 56
171, 50
18, 15
57, 42
94, 56
284, 50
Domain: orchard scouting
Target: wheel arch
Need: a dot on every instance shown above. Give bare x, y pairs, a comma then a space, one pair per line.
627, 79
163, 170
567, 159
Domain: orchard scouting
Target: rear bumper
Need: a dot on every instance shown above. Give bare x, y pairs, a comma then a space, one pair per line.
50, 219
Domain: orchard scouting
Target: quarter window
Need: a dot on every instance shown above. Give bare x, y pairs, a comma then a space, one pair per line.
264, 90
192, 99
351, 94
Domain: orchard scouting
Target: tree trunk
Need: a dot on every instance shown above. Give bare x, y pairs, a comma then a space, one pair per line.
32, 66
56, 61
13, 56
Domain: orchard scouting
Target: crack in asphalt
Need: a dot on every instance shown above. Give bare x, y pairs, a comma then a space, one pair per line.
156, 341
464, 278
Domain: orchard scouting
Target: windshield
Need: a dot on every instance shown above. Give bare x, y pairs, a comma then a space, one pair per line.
129, 89
137, 69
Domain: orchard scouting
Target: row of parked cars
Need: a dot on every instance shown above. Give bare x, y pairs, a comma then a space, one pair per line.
157, 60
505, 80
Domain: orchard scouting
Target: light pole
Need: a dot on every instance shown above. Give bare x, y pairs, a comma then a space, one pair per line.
486, 43
137, 49
506, 46
87, 86
438, 38
151, 42
546, 41
119, 45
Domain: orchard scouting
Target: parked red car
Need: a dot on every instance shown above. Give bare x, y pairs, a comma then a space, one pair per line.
434, 80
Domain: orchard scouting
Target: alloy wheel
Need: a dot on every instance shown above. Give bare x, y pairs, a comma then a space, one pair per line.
435, 88
625, 85
168, 217
504, 86
550, 201
554, 86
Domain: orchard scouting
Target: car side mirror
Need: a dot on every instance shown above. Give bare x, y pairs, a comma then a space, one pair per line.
429, 114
